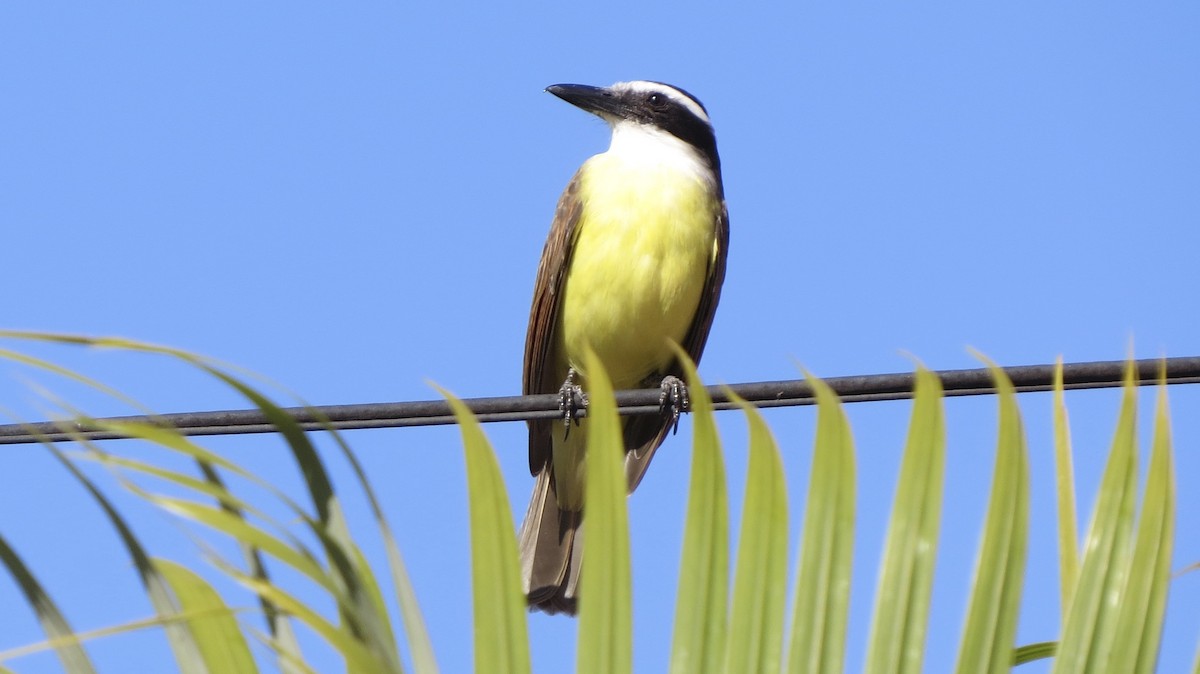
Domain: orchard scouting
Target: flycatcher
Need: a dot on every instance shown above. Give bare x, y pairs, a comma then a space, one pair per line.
634, 260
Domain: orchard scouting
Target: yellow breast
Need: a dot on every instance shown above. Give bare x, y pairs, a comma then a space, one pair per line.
645, 241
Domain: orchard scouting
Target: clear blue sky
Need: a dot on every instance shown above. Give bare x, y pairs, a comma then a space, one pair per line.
352, 201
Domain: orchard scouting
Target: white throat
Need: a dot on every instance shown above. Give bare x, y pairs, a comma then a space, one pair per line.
649, 146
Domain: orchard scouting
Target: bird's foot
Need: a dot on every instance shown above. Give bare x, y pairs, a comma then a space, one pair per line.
571, 400
674, 399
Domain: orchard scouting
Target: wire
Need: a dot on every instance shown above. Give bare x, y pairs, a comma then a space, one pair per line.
853, 389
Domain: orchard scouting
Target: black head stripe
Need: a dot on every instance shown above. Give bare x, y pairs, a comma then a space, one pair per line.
682, 124
685, 93
662, 109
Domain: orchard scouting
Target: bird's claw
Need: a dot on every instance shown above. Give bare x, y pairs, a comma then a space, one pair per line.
674, 399
571, 400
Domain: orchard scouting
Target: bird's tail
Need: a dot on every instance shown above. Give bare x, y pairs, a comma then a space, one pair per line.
551, 545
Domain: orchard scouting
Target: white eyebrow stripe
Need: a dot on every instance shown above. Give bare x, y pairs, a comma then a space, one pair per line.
675, 94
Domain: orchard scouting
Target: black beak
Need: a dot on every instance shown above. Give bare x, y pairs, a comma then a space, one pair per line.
596, 100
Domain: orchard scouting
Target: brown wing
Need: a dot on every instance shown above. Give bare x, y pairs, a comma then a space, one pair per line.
644, 433
540, 375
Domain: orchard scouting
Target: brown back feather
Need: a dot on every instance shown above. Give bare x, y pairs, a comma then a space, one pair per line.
540, 375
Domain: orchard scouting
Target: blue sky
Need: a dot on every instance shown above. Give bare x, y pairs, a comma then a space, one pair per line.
352, 200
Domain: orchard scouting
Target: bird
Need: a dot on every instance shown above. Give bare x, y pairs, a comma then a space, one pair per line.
634, 260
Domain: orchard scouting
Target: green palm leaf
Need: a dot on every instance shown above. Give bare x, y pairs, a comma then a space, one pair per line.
700, 611
760, 580
988, 635
605, 605
901, 614
1144, 598
818, 638
1091, 623
501, 638
1064, 478
217, 634
70, 652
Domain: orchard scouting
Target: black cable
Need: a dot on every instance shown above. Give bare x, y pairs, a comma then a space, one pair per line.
853, 389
